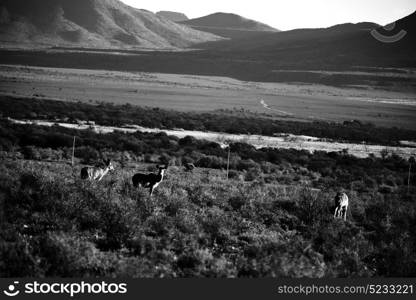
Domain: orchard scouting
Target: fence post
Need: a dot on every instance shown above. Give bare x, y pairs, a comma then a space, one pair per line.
73, 152
228, 161
408, 179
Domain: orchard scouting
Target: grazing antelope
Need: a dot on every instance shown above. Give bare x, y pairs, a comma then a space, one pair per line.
189, 167
341, 206
151, 180
96, 173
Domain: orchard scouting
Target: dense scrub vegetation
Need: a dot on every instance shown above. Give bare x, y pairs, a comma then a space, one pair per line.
318, 169
222, 121
268, 219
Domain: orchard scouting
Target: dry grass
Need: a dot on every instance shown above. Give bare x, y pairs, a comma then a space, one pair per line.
196, 225
209, 93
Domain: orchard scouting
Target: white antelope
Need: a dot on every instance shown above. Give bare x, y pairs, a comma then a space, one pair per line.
96, 173
341, 206
151, 180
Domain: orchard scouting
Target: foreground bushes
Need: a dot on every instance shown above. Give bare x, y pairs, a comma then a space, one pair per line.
53, 224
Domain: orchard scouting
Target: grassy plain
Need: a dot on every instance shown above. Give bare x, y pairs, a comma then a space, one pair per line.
304, 102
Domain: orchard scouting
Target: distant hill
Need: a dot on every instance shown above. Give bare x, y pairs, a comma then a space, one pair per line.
91, 23
173, 16
293, 38
229, 25
344, 45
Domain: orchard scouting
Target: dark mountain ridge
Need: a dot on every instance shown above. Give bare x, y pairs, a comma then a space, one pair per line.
344, 45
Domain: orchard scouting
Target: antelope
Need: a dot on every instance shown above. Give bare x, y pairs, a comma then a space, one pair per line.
151, 180
341, 206
96, 173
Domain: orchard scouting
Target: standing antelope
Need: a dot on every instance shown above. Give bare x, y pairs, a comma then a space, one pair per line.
96, 173
151, 180
341, 206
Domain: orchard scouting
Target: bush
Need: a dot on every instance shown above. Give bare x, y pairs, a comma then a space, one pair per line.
253, 174
31, 152
232, 174
87, 154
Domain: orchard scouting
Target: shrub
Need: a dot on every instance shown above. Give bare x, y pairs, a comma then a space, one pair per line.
232, 174
31, 152
87, 154
253, 174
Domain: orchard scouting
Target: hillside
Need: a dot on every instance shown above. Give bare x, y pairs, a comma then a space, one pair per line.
91, 23
229, 25
345, 45
294, 38
172, 15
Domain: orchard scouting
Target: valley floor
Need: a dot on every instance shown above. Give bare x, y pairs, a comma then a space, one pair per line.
305, 102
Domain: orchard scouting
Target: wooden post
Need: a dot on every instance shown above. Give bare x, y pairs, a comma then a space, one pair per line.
228, 161
408, 178
73, 152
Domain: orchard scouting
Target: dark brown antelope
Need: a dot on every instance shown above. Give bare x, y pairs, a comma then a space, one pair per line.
96, 173
341, 206
151, 180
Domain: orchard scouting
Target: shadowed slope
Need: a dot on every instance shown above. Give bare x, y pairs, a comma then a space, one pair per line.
344, 45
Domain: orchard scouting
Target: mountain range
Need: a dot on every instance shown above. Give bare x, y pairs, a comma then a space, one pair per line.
229, 25
250, 48
341, 45
93, 24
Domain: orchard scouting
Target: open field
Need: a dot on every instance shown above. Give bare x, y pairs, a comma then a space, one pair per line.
208, 93
195, 225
